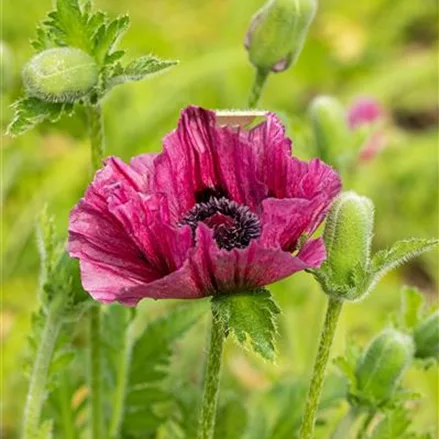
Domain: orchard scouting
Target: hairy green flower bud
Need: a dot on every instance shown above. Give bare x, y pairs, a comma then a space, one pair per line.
277, 33
382, 365
328, 119
426, 337
60, 74
348, 236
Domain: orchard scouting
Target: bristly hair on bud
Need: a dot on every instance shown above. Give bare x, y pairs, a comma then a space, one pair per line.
277, 33
349, 271
61, 74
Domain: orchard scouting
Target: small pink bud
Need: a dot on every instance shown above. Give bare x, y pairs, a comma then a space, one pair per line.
364, 111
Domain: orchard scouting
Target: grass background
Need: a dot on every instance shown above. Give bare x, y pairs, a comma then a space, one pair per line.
382, 48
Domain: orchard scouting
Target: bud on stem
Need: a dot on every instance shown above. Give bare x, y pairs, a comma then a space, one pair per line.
60, 75
348, 236
277, 33
382, 365
328, 119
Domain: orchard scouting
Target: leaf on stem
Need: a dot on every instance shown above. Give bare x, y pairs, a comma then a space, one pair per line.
151, 356
136, 70
385, 260
251, 318
32, 111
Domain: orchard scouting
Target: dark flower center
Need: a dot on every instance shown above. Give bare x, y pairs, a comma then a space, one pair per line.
233, 225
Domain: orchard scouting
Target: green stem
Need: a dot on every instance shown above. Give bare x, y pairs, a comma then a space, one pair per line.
96, 132
321, 361
95, 375
122, 381
211, 380
345, 425
258, 85
40, 371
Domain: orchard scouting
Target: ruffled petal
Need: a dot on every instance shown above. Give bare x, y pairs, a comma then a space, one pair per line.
285, 220
201, 159
217, 271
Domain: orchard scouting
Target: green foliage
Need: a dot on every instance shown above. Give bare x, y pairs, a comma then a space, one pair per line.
45, 431
411, 306
231, 420
32, 111
400, 252
150, 358
251, 318
136, 70
382, 365
395, 425
349, 272
76, 27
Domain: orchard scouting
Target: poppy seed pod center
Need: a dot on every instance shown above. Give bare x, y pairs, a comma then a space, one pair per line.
233, 225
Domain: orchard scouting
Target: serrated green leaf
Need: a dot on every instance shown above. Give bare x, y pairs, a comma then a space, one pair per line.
231, 420
29, 112
107, 36
136, 70
151, 355
70, 21
412, 304
251, 318
385, 260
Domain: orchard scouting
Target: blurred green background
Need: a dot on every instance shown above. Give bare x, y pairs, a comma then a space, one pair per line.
381, 48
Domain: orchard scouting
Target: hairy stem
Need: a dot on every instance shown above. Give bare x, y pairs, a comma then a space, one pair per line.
318, 374
40, 371
258, 85
211, 380
344, 428
96, 132
122, 381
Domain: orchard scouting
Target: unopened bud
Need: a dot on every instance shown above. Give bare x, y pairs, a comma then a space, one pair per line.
382, 365
348, 236
426, 337
328, 119
277, 33
60, 75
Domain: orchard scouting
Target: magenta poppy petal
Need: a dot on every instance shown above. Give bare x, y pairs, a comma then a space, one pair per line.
221, 210
201, 157
217, 271
285, 220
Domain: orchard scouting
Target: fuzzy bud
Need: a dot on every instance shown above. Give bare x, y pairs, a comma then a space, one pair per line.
328, 120
277, 33
426, 337
348, 236
382, 365
60, 75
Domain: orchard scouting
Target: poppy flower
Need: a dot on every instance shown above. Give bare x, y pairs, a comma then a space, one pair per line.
220, 210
